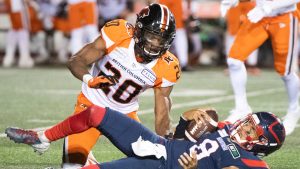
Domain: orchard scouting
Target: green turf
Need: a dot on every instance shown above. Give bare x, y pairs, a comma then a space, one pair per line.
41, 97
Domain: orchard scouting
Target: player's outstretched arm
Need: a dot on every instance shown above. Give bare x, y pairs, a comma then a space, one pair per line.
79, 63
162, 109
282, 3
267, 7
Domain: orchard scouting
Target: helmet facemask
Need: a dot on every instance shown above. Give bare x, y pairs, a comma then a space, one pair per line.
247, 132
155, 30
151, 45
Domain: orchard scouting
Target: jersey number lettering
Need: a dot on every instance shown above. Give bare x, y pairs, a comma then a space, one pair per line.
119, 95
112, 23
205, 148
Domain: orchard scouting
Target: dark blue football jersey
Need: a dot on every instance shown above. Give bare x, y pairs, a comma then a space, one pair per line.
215, 150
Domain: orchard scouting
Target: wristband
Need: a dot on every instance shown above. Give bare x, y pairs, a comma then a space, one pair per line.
86, 78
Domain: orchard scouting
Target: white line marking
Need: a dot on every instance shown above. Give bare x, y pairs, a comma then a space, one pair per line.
41, 121
199, 103
189, 93
148, 93
215, 100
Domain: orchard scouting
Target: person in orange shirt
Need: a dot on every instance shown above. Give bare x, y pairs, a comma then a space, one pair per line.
277, 21
18, 35
234, 18
83, 16
37, 33
57, 28
125, 61
180, 41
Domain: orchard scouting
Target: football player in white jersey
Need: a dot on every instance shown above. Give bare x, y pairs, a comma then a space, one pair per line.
126, 60
275, 20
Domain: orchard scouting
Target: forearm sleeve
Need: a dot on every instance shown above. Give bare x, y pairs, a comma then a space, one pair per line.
180, 128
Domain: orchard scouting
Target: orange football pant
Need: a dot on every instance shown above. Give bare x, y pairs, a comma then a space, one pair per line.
282, 31
176, 8
81, 14
78, 146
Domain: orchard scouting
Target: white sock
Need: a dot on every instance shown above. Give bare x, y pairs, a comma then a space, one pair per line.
11, 43
23, 43
92, 32
252, 58
238, 77
291, 82
76, 42
181, 46
42, 136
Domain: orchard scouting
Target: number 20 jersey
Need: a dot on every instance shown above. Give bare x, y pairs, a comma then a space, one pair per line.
134, 77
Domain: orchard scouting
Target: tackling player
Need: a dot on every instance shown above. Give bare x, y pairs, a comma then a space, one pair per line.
275, 20
230, 147
126, 61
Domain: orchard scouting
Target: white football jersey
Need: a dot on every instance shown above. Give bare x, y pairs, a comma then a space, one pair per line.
134, 77
286, 9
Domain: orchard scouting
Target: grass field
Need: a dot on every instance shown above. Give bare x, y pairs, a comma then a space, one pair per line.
41, 97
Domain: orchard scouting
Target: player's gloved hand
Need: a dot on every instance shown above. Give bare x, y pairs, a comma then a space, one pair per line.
226, 5
259, 12
100, 82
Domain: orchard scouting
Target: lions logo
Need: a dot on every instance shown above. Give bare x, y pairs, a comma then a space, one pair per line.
144, 12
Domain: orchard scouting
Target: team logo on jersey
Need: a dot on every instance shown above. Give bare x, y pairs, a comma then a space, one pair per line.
168, 59
129, 29
149, 75
233, 150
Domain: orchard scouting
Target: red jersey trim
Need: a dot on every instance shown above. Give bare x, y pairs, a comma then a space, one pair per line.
255, 163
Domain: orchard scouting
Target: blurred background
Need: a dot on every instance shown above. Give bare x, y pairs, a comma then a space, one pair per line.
49, 26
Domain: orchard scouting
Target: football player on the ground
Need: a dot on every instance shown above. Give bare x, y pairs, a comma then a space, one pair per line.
230, 147
275, 20
126, 61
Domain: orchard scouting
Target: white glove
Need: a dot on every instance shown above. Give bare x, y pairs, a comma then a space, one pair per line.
259, 12
226, 5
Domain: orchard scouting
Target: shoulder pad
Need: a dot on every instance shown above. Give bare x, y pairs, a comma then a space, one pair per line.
116, 31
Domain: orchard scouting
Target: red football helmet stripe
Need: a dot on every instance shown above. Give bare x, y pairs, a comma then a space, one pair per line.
273, 133
164, 17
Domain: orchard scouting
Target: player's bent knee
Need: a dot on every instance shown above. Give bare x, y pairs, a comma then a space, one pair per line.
234, 63
96, 115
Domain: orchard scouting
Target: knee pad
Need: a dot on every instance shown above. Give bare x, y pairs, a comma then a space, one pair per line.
234, 64
96, 115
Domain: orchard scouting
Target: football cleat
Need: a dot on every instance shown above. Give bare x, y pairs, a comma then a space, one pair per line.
238, 114
290, 121
28, 137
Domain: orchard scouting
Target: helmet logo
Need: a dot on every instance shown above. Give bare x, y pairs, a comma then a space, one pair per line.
144, 12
